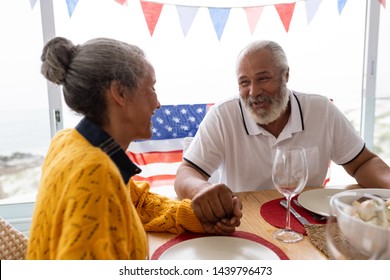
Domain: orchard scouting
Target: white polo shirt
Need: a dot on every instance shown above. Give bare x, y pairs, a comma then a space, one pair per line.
230, 141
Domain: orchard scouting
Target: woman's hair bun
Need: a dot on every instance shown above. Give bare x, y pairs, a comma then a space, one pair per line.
56, 58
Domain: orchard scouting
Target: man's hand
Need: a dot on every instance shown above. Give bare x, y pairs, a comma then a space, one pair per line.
218, 209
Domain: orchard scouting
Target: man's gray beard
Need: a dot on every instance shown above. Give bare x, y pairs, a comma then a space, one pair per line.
278, 106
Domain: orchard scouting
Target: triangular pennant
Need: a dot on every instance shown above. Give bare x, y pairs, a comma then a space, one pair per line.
71, 6
219, 17
122, 2
33, 2
285, 12
186, 17
312, 8
152, 13
383, 2
253, 14
341, 5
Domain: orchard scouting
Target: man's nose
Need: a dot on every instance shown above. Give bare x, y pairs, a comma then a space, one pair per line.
255, 90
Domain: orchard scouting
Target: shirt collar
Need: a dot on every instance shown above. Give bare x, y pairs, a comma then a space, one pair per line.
295, 122
99, 138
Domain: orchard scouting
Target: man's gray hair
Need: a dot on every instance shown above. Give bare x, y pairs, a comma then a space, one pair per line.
256, 46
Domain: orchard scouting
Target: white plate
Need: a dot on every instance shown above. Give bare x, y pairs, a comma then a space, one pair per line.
317, 201
219, 248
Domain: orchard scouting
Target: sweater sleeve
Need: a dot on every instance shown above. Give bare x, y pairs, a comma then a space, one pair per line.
162, 214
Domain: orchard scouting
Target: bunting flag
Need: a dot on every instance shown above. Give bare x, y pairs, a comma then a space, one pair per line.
186, 16
122, 2
253, 15
219, 11
219, 17
33, 2
312, 8
152, 13
341, 5
71, 6
160, 156
285, 12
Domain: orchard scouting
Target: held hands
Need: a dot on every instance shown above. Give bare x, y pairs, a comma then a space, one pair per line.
218, 209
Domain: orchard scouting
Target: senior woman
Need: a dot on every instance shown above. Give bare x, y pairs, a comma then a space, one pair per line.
88, 206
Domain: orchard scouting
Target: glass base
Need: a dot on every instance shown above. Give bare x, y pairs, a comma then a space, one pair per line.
287, 235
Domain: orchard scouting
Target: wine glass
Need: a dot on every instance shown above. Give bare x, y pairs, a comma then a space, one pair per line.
357, 227
289, 174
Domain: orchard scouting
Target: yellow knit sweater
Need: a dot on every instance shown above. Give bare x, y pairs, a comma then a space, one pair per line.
84, 210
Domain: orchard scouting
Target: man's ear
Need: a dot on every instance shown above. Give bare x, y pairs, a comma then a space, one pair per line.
287, 74
116, 93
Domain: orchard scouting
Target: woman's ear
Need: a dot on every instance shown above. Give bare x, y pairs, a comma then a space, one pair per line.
116, 93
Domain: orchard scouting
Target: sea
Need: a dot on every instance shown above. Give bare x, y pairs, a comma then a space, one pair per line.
24, 139
26, 131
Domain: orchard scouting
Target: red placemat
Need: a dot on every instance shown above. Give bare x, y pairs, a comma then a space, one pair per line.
240, 234
275, 214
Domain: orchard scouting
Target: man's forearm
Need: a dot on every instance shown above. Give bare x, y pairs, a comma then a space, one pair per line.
189, 182
374, 173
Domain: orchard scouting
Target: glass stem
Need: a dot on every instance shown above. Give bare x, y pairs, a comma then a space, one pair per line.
288, 215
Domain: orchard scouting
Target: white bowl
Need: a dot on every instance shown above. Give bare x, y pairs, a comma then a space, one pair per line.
366, 237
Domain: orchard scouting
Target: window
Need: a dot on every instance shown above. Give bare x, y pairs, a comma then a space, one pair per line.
325, 56
382, 114
24, 114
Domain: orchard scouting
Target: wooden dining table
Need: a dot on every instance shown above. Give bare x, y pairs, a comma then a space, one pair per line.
253, 222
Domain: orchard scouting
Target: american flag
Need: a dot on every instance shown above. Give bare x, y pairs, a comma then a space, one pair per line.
160, 156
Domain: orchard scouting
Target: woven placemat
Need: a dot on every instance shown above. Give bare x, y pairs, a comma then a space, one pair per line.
317, 236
